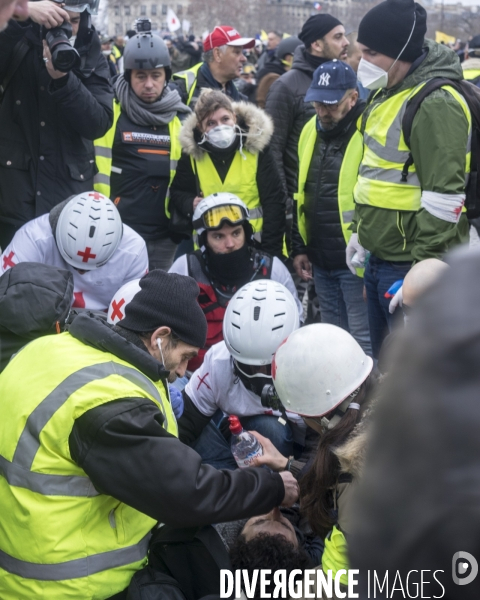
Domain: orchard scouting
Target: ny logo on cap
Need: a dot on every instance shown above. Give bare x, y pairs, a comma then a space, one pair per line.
324, 79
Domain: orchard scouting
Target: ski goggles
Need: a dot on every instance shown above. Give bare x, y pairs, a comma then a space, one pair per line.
215, 217
252, 371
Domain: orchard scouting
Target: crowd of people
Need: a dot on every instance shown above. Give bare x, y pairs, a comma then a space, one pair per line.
171, 211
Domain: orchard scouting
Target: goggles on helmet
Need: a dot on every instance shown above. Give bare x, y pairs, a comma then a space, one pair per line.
252, 371
215, 217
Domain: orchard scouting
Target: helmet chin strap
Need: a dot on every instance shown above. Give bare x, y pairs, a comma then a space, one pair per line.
340, 411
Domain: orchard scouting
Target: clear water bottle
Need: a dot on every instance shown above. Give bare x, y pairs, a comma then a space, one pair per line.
245, 446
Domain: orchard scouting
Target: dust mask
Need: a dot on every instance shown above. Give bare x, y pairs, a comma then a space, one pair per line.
371, 76
221, 136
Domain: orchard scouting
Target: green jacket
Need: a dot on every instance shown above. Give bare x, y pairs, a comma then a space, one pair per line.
438, 144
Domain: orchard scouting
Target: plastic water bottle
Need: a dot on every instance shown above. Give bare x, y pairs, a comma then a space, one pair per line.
245, 446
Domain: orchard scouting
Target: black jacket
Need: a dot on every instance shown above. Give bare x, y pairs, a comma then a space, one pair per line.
258, 128
140, 188
326, 242
127, 454
47, 128
35, 300
285, 103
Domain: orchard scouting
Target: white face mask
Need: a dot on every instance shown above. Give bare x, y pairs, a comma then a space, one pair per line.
221, 136
371, 76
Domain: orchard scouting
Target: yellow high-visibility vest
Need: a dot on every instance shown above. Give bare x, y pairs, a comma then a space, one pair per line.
470, 74
241, 180
346, 181
380, 182
61, 538
104, 153
190, 78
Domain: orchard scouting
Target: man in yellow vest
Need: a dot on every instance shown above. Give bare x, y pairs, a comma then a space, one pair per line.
89, 455
137, 157
223, 60
409, 200
471, 64
329, 148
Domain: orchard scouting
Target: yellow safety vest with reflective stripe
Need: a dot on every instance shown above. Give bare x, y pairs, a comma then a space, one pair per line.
335, 555
241, 180
61, 538
190, 78
346, 180
385, 153
103, 154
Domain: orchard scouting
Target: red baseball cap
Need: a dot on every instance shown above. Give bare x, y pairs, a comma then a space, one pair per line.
223, 35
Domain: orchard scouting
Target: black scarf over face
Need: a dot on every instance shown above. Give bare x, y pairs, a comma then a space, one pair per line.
230, 269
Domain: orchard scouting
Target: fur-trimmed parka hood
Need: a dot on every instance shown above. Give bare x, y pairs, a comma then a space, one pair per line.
351, 454
256, 125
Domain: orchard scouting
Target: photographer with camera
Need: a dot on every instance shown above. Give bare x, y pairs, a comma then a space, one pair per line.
57, 99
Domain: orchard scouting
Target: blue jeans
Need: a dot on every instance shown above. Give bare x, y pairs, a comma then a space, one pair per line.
215, 450
379, 276
340, 296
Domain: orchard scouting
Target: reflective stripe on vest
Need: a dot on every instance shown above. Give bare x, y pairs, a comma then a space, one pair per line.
190, 78
385, 153
346, 180
81, 534
77, 568
241, 180
104, 152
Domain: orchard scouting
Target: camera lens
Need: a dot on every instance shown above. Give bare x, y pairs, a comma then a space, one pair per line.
64, 56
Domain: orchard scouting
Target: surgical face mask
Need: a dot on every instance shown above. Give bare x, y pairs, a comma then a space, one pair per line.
72, 40
106, 53
221, 136
373, 77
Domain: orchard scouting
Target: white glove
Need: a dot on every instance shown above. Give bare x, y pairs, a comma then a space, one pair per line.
397, 300
353, 247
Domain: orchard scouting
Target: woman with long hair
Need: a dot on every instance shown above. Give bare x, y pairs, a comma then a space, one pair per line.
321, 373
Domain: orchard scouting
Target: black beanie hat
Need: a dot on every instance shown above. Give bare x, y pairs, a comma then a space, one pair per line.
170, 300
386, 28
316, 27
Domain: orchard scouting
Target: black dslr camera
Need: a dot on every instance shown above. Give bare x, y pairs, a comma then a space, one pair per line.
143, 25
64, 56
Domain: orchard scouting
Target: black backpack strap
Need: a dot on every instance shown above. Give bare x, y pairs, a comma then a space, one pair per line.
411, 110
414, 104
19, 51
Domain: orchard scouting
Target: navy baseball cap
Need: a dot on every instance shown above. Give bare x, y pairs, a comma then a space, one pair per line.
330, 82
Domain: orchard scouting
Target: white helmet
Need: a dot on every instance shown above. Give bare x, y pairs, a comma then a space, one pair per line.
258, 318
317, 368
123, 296
89, 230
214, 210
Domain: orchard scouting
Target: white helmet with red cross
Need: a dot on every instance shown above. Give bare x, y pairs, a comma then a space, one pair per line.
89, 230
123, 296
